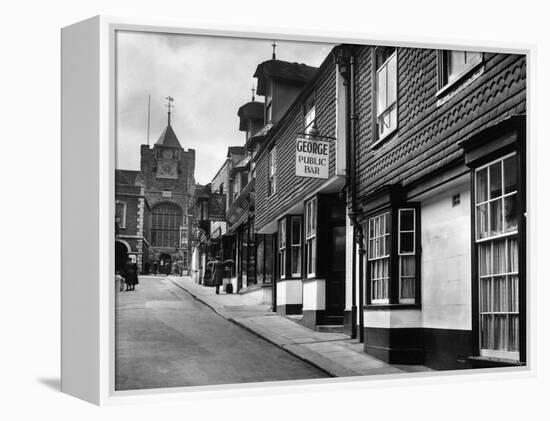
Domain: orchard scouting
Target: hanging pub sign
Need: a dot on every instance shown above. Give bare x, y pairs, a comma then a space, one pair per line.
312, 158
216, 207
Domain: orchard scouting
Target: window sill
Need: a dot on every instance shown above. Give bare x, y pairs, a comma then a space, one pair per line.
382, 139
374, 307
489, 362
450, 89
289, 279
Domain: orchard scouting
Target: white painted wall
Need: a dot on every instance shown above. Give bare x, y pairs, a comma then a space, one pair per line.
446, 275
289, 291
393, 319
349, 260
445, 265
314, 292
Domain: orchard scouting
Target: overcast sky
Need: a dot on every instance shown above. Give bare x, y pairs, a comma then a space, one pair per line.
209, 79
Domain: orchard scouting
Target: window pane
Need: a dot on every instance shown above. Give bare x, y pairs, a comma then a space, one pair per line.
485, 259
456, 64
499, 295
406, 290
496, 216
482, 221
513, 265
472, 57
407, 266
392, 80
513, 293
481, 185
499, 256
510, 175
381, 91
406, 242
495, 176
313, 216
296, 230
510, 213
393, 117
313, 255
296, 259
485, 295
407, 219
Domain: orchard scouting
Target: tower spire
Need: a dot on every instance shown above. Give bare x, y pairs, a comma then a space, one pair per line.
273, 45
169, 105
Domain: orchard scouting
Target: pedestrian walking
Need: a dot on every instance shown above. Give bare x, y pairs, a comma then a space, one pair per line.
218, 269
131, 276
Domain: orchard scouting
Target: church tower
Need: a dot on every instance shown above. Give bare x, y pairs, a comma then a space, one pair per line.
168, 172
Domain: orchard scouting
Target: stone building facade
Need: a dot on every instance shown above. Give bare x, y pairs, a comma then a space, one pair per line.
166, 184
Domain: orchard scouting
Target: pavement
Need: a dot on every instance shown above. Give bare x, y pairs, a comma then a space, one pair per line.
334, 353
166, 338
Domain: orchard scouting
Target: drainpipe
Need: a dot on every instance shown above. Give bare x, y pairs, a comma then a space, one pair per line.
347, 188
357, 228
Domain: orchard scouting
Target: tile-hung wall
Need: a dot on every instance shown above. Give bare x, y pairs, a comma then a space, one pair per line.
291, 189
282, 210
416, 108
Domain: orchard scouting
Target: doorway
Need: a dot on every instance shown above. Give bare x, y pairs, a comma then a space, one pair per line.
334, 258
121, 255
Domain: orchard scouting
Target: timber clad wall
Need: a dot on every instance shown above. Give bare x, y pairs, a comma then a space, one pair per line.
428, 134
291, 189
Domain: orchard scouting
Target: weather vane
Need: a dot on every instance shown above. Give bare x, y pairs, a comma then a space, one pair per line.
274, 45
253, 91
169, 105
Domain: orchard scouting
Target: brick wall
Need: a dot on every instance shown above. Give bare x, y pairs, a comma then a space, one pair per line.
181, 188
428, 133
291, 189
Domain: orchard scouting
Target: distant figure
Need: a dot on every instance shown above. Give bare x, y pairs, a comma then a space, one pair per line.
119, 281
218, 268
131, 275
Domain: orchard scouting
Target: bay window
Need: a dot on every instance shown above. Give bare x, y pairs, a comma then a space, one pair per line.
393, 266
496, 238
282, 248
379, 258
290, 246
407, 256
311, 236
296, 246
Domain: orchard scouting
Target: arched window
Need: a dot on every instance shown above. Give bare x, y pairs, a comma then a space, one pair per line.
120, 213
165, 225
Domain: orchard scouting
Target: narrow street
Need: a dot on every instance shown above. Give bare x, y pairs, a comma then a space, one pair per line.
165, 338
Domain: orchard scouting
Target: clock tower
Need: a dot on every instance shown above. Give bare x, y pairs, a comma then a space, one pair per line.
168, 174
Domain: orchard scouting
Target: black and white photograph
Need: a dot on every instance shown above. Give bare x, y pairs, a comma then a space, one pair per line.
295, 210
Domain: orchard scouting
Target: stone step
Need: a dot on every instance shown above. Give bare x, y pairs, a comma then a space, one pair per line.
330, 328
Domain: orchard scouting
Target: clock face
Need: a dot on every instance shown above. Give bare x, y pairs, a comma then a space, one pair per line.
167, 153
167, 169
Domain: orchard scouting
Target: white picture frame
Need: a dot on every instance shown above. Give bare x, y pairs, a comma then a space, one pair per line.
88, 151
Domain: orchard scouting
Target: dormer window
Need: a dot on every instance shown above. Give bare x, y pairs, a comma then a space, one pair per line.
268, 102
386, 91
309, 113
456, 64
